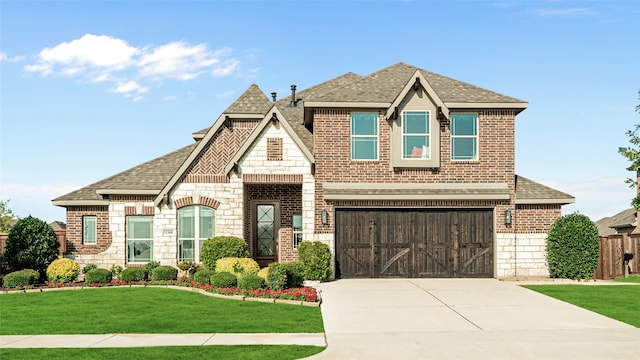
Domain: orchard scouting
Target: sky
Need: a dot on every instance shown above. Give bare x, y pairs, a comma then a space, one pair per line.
92, 88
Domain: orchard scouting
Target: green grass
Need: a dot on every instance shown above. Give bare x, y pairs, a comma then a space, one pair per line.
148, 310
617, 302
630, 279
257, 352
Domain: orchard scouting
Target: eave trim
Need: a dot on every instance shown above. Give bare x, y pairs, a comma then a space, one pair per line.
562, 201
65, 203
346, 104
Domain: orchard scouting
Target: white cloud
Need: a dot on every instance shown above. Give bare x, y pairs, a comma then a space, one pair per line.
5, 58
132, 70
567, 12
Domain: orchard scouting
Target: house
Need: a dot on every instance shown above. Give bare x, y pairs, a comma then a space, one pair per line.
403, 173
624, 222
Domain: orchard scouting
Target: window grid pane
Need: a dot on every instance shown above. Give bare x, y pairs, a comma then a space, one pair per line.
464, 137
297, 230
139, 238
416, 135
364, 136
89, 230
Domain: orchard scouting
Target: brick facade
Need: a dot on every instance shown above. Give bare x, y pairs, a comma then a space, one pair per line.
74, 230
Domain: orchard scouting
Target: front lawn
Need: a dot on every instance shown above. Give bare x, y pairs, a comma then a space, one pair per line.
148, 310
258, 352
617, 302
630, 279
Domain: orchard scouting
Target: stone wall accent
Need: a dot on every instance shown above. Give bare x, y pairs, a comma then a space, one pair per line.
521, 255
138, 209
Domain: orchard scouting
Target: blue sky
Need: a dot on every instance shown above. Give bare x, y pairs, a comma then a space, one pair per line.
88, 89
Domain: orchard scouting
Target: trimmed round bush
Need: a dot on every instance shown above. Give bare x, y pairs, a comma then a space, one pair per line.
203, 276
237, 265
89, 267
224, 280
220, 247
250, 281
63, 270
97, 276
295, 276
277, 276
164, 272
315, 260
263, 273
36, 275
31, 244
148, 268
573, 247
133, 274
18, 278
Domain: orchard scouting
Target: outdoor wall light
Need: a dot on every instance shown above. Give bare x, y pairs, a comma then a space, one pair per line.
325, 217
507, 217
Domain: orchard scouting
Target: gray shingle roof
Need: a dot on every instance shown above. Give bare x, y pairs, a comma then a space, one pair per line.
152, 175
385, 85
252, 101
531, 192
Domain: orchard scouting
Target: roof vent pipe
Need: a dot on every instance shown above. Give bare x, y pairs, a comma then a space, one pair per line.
294, 101
273, 96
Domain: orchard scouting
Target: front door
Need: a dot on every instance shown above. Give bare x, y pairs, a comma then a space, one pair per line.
265, 232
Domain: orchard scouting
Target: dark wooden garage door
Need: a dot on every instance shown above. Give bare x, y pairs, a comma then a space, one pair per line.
414, 243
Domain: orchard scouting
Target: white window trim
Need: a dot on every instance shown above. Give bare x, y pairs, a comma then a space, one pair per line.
196, 231
428, 135
377, 136
476, 137
95, 230
297, 232
128, 239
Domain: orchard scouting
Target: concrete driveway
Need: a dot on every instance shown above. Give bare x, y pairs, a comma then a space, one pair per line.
463, 319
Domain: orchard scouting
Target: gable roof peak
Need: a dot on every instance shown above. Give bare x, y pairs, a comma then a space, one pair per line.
252, 101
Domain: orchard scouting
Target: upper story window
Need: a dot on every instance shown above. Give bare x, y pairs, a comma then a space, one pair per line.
89, 226
464, 137
139, 239
194, 223
364, 136
416, 135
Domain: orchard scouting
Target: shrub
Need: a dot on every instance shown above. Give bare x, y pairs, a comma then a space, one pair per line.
573, 247
315, 260
295, 276
188, 267
203, 276
263, 273
133, 274
237, 265
63, 270
220, 247
97, 276
18, 278
89, 267
148, 268
224, 280
277, 276
36, 275
31, 244
164, 272
115, 271
250, 281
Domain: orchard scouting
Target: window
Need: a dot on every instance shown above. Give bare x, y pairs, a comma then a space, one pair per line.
415, 135
89, 230
297, 230
139, 239
194, 223
464, 137
364, 136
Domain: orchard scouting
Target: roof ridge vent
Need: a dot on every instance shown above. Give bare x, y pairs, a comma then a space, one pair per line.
294, 100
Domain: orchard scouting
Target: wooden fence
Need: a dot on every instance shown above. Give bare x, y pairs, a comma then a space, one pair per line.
611, 261
61, 235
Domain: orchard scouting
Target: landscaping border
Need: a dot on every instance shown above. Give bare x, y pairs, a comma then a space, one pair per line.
175, 287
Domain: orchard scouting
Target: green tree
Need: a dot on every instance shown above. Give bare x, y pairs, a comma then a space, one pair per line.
6, 216
31, 244
573, 247
632, 153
